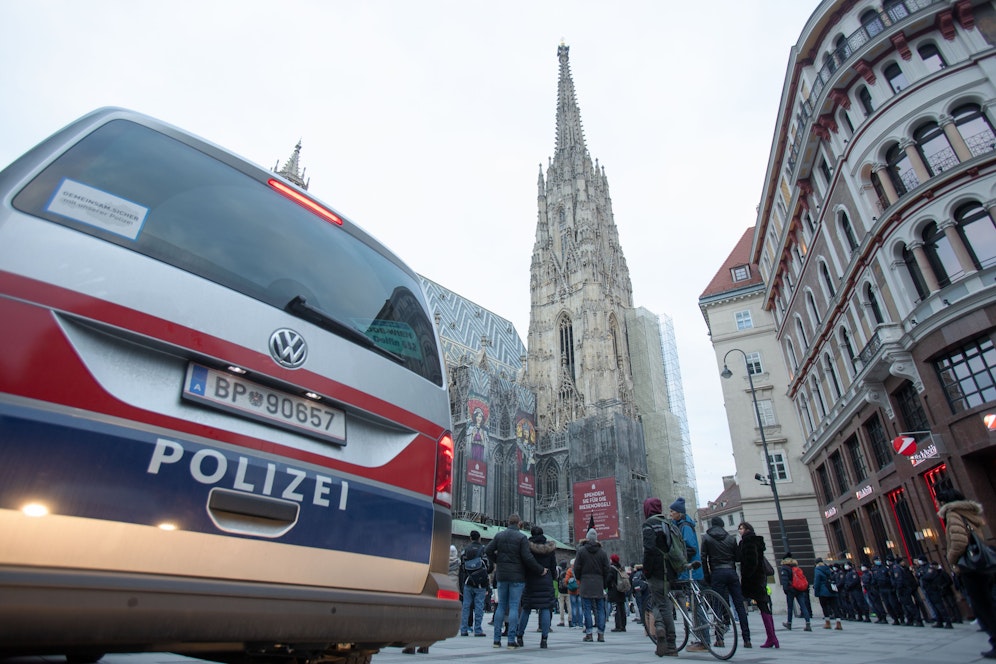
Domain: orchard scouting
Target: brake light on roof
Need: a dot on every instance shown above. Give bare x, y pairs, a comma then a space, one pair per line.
304, 201
444, 471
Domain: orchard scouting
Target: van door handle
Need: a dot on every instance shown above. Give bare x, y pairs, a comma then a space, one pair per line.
249, 514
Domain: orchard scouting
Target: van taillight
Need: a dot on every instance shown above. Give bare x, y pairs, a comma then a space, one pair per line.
444, 471
304, 201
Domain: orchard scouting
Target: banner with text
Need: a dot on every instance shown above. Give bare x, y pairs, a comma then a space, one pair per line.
595, 500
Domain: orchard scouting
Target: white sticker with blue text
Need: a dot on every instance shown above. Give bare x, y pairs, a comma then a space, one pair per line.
98, 208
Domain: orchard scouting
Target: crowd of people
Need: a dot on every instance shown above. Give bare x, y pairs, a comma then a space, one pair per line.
524, 575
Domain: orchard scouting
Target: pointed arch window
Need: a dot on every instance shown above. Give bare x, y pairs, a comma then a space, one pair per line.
873, 304
975, 226
934, 148
975, 128
550, 482
567, 346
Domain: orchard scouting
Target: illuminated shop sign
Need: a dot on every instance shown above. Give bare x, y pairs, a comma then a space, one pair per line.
864, 492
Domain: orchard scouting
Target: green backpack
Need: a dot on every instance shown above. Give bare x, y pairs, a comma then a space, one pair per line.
671, 545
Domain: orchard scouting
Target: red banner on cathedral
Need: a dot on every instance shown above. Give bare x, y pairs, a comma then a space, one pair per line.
477, 472
596, 500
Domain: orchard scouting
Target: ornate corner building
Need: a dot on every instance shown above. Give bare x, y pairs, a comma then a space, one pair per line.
876, 244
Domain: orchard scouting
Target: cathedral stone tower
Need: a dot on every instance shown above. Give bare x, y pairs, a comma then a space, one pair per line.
592, 459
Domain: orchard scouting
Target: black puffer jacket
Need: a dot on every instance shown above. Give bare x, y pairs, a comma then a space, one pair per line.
509, 550
538, 593
719, 550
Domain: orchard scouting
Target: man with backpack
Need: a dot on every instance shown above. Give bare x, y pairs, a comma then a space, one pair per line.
686, 526
475, 569
663, 556
796, 587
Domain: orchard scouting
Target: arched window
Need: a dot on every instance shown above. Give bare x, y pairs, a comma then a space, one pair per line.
901, 170
814, 386
807, 418
813, 311
916, 276
845, 342
883, 199
829, 63
802, 332
934, 148
872, 22
873, 305
550, 482
842, 48
848, 232
932, 58
940, 255
896, 10
831, 372
567, 346
845, 121
974, 127
865, 98
977, 231
827, 280
895, 76
790, 351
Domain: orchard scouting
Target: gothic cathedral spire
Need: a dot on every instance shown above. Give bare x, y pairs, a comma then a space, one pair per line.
580, 287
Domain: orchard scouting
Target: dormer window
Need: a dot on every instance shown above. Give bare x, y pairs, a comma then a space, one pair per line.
741, 273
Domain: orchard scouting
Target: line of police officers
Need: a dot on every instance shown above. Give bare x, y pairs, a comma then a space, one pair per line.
910, 596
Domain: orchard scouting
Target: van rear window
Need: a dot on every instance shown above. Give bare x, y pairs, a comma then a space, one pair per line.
150, 193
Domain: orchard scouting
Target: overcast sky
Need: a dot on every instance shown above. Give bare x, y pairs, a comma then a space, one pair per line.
426, 121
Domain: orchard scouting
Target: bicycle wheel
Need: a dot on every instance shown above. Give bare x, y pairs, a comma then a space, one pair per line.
720, 632
650, 625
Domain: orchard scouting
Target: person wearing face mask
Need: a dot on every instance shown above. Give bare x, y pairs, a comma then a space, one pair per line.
931, 582
882, 595
855, 593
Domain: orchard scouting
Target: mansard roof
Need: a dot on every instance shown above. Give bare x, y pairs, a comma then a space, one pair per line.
723, 281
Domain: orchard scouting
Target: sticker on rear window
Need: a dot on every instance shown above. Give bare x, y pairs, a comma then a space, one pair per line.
98, 208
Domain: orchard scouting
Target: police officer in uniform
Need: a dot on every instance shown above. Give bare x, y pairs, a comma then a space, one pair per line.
878, 578
854, 589
905, 585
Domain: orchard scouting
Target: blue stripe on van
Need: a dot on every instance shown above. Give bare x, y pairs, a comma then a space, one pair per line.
84, 468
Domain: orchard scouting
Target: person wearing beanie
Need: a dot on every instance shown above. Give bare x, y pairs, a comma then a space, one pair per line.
616, 597
656, 539
474, 584
719, 563
592, 569
686, 526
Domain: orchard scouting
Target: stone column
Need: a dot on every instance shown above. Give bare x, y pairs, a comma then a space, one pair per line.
955, 138
961, 251
886, 182
920, 256
920, 168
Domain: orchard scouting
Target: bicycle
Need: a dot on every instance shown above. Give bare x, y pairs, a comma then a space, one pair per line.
719, 631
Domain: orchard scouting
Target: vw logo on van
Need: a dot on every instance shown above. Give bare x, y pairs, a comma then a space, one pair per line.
288, 348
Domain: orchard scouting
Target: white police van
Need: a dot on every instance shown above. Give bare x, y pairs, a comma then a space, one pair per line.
224, 424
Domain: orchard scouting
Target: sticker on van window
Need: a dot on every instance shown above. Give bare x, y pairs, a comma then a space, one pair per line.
98, 208
392, 335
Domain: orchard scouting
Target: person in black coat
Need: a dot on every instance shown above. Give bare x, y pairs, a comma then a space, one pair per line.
510, 552
538, 593
720, 555
754, 579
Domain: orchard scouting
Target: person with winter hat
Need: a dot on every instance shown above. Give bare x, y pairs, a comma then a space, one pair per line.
786, 572
686, 526
592, 570
960, 516
719, 562
826, 594
616, 597
754, 579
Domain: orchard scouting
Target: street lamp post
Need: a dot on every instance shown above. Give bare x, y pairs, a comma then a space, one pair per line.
726, 373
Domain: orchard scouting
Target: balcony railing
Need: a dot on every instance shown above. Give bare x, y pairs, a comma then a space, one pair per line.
845, 52
981, 143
